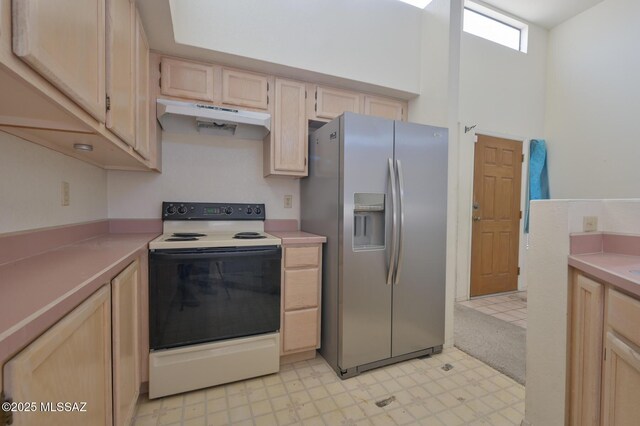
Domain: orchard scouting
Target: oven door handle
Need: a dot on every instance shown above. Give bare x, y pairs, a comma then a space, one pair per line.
214, 254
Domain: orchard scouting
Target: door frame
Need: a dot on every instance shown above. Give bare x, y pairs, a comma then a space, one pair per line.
465, 211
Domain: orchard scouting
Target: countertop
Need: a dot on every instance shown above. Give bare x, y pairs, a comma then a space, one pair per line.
298, 237
612, 268
38, 291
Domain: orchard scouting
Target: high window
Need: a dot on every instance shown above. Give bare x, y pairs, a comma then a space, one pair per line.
494, 26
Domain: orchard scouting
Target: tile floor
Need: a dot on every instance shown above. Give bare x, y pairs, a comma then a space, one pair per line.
510, 307
309, 393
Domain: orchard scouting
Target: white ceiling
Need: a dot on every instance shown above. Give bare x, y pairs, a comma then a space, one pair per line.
545, 13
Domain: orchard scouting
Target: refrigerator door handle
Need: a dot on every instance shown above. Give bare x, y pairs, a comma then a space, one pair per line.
401, 226
394, 223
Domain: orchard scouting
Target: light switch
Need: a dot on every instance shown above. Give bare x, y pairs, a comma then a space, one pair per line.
590, 223
65, 194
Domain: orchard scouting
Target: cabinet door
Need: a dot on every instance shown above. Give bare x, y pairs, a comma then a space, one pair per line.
383, 107
142, 91
330, 103
121, 69
64, 41
185, 79
126, 382
587, 317
300, 330
245, 89
70, 362
290, 129
621, 383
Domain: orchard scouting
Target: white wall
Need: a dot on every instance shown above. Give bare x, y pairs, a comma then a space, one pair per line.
593, 100
372, 41
502, 92
31, 179
431, 107
551, 223
202, 168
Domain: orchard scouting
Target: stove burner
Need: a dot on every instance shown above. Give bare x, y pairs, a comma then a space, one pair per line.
248, 236
182, 239
187, 234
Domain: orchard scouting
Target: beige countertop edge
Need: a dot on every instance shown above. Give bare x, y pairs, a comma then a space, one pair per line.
24, 330
298, 237
610, 268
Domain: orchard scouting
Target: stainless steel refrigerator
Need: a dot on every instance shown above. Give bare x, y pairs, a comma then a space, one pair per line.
377, 189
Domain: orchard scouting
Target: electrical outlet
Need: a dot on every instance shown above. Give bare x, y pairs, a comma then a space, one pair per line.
65, 194
288, 201
590, 223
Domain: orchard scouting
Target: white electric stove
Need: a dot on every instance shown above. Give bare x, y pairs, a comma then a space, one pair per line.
214, 297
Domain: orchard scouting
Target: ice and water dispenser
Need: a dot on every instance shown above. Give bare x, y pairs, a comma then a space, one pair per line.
368, 221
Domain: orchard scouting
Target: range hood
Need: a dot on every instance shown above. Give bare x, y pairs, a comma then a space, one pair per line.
185, 117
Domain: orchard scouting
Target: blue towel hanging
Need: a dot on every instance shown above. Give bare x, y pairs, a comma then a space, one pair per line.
538, 188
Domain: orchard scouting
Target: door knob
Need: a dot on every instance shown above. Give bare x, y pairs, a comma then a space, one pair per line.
476, 218
476, 206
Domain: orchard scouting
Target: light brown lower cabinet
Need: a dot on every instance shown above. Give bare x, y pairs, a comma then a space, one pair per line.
91, 356
587, 313
126, 351
70, 362
604, 355
301, 278
621, 372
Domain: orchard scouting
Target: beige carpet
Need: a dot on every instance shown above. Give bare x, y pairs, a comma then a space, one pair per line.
493, 341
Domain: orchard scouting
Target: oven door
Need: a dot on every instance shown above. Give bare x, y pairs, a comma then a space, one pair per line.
204, 295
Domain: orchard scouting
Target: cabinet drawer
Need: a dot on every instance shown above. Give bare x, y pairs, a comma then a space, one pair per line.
623, 315
186, 79
300, 288
295, 257
300, 330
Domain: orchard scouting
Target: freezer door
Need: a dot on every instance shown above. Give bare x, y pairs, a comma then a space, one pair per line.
419, 286
364, 295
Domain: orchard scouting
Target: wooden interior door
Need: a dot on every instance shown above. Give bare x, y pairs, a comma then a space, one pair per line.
496, 215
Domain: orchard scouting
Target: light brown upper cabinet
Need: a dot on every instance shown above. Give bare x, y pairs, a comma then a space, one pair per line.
245, 89
121, 91
142, 91
186, 79
385, 107
286, 146
330, 103
64, 41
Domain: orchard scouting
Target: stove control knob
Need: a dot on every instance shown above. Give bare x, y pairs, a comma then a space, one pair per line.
258, 210
171, 210
182, 210
228, 210
249, 210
